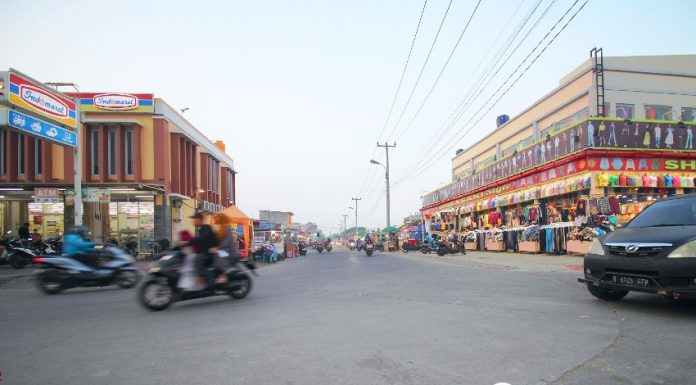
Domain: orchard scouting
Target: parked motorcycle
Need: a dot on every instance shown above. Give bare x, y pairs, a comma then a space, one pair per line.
410, 245
161, 289
18, 254
112, 267
450, 246
369, 249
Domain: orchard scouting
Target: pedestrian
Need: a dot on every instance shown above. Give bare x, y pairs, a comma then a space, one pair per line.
23, 231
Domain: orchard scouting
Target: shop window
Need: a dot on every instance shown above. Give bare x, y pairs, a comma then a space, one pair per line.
38, 157
129, 152
3, 162
94, 153
132, 220
688, 114
624, 111
47, 218
111, 146
20, 154
655, 112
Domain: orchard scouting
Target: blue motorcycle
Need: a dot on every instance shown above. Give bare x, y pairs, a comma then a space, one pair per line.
111, 266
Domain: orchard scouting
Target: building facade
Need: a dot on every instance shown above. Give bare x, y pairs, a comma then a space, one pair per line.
145, 169
616, 130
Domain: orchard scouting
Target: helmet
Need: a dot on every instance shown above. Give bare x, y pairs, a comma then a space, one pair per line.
82, 231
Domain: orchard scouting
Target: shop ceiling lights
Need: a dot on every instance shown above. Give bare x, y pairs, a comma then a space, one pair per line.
122, 189
11, 189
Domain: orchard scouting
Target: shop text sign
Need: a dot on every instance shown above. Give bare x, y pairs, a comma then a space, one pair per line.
617, 163
116, 102
96, 195
41, 129
46, 195
26, 94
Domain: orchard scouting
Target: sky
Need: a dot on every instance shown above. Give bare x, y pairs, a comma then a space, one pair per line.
300, 90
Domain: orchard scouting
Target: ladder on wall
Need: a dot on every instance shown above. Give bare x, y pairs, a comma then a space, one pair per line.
598, 56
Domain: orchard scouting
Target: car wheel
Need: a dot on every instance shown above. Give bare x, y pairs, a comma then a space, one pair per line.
606, 294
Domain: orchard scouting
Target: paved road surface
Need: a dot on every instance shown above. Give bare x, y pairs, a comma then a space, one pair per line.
343, 318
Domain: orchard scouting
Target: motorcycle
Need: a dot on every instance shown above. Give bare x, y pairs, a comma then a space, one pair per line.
351, 245
18, 255
161, 288
129, 245
329, 246
410, 245
302, 249
450, 246
113, 267
369, 249
320, 247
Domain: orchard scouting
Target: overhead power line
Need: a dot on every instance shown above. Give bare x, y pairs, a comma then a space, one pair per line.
471, 125
420, 74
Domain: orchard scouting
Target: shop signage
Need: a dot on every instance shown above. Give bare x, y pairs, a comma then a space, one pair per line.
28, 95
96, 195
617, 163
591, 133
46, 195
116, 102
264, 226
41, 129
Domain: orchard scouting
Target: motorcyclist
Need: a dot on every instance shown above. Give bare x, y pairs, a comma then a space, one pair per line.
327, 243
77, 247
203, 243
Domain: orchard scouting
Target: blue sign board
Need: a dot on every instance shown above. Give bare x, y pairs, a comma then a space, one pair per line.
41, 129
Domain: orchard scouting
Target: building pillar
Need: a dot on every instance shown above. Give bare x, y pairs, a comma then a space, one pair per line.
163, 218
536, 133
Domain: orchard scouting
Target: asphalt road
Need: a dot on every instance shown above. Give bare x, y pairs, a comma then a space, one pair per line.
343, 318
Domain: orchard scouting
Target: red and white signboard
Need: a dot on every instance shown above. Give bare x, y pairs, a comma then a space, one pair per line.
46, 195
115, 101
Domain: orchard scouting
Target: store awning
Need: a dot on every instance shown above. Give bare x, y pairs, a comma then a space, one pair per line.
238, 217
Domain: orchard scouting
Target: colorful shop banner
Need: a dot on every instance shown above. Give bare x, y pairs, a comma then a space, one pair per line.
96, 195
592, 133
41, 129
116, 102
618, 163
29, 95
46, 195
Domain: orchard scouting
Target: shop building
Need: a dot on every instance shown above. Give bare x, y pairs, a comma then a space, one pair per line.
614, 136
145, 170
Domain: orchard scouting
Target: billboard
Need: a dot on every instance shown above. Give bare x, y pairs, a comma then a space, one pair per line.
110, 102
32, 96
38, 128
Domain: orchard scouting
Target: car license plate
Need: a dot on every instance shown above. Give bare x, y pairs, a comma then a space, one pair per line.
632, 281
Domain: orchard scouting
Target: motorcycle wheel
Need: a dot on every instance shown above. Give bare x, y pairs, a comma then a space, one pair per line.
156, 296
126, 279
48, 285
243, 290
369, 253
18, 261
441, 252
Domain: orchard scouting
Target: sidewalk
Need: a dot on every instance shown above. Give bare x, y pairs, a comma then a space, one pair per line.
509, 261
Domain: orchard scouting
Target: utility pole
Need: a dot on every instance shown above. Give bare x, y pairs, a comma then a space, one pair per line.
386, 148
344, 222
356, 212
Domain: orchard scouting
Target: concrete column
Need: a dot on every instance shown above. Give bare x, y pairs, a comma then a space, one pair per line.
536, 132
498, 152
163, 218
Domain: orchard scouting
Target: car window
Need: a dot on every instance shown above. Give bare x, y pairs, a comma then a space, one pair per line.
676, 212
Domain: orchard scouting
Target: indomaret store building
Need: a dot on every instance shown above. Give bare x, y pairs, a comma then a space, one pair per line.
145, 168
613, 137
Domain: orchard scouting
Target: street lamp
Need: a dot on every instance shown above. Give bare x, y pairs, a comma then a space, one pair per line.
386, 177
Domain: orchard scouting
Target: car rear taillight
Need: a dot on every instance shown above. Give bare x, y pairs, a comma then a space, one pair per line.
38, 259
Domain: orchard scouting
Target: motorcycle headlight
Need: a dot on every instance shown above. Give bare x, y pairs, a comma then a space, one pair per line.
687, 250
596, 248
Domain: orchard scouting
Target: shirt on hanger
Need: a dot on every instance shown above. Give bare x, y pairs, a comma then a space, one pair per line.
613, 180
669, 181
646, 181
623, 180
603, 180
